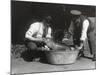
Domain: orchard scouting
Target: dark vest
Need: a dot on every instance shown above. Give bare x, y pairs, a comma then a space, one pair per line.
78, 22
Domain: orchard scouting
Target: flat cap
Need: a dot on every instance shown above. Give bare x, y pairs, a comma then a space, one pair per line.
75, 12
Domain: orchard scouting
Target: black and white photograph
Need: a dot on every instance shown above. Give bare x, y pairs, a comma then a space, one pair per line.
52, 37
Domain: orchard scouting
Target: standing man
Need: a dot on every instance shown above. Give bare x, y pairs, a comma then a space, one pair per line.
81, 28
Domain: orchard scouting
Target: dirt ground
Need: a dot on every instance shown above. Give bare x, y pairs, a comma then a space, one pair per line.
19, 66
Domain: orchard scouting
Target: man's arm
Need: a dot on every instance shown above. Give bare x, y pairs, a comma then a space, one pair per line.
83, 34
84, 30
31, 31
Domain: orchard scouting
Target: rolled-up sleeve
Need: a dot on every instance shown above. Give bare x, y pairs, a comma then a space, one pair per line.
31, 31
84, 30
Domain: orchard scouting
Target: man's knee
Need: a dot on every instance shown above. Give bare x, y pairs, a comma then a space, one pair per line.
31, 45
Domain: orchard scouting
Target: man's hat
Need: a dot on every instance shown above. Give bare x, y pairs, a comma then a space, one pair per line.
75, 12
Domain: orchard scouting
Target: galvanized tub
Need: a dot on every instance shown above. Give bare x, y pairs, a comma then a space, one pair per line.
61, 56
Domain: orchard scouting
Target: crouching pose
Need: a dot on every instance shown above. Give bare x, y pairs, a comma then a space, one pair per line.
38, 32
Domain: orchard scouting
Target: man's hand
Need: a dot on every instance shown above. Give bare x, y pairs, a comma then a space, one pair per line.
34, 38
46, 40
72, 48
76, 47
79, 47
49, 43
39, 39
